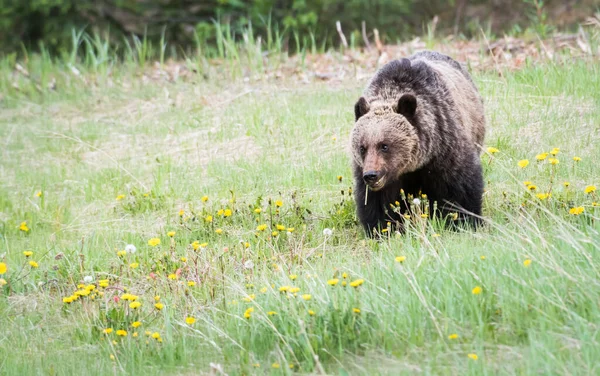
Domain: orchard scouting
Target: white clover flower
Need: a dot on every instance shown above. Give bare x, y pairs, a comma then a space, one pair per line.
88, 279
130, 248
327, 232
417, 202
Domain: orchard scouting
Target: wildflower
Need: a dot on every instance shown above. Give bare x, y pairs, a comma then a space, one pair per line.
280, 228
279, 203
400, 258
249, 298
103, 283
120, 197
473, 356
476, 290
2, 282
130, 248
27, 253
553, 161
159, 306
523, 163
541, 157
257, 210
416, 202
155, 335
181, 212
344, 275
23, 226
171, 234
88, 279
191, 283
122, 333
492, 150
136, 324
293, 277
554, 151
482, 257
154, 242
135, 305
294, 290
38, 194
590, 189
577, 159
290, 230
262, 227
527, 262
356, 310
190, 320
531, 187
172, 276
275, 365
108, 330
204, 198
357, 282
566, 184
577, 210
33, 264
134, 265
274, 234
424, 215
68, 299
3, 268
453, 336
208, 218
256, 365
543, 196
227, 213
156, 298
121, 253
306, 297
263, 290
527, 183
333, 282
327, 232
271, 313
248, 313
311, 312
219, 231
220, 212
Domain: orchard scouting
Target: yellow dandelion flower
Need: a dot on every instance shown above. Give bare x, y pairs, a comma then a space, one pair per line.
482, 257
271, 313
306, 297
527, 262
275, 233
135, 334
262, 227
136, 324
135, 305
23, 226
554, 151
249, 298
172, 276
208, 218
134, 265
333, 282
159, 306
492, 150
400, 258
191, 283
33, 264
248, 313
577, 159
108, 330
566, 184
219, 231
294, 290
227, 213
453, 336
190, 320
293, 277
543, 196
357, 282
103, 283
170, 234
275, 365
523, 163
424, 215
590, 189
68, 299
154, 242
220, 212
27, 253
181, 212
263, 290
553, 161
122, 333
279, 203
527, 183
577, 210
476, 290
204, 198
257, 210
531, 187
38, 194
2, 282
290, 229
280, 228
155, 335
121, 253
157, 298
356, 310
344, 275
120, 197
3, 268
541, 157
473, 356
311, 312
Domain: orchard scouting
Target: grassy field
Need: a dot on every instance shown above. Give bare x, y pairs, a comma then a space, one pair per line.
247, 258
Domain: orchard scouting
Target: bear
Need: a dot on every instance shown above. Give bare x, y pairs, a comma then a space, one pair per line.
419, 130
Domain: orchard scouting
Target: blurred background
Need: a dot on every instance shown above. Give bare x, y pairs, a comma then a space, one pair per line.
185, 25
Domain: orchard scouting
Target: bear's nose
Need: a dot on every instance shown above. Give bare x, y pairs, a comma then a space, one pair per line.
370, 176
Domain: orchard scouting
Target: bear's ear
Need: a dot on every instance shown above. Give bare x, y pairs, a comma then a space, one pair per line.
360, 108
407, 105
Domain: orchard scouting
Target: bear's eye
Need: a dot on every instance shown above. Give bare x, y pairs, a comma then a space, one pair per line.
384, 148
362, 150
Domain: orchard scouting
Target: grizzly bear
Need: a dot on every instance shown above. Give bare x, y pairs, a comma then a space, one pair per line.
419, 130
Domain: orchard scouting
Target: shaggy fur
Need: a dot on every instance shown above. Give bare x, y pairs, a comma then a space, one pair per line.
419, 128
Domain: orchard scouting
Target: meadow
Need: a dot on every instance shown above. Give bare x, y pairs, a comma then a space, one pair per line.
157, 222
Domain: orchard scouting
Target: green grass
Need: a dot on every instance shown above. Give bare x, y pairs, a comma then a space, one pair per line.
246, 145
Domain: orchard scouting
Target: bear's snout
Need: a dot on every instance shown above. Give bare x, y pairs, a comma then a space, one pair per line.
371, 177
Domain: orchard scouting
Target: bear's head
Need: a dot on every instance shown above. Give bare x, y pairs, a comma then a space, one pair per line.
385, 141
